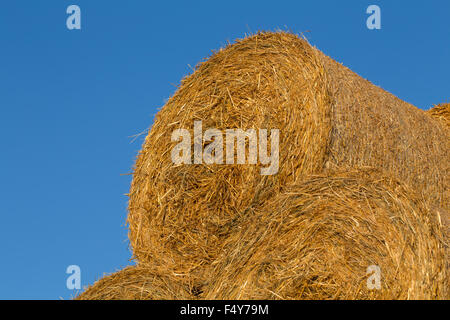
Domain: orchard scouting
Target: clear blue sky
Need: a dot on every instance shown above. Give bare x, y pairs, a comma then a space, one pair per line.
71, 100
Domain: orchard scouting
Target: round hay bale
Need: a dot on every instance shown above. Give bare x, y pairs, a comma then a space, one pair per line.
139, 283
324, 237
441, 112
327, 117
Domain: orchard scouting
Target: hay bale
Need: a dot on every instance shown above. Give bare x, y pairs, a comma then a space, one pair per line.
317, 239
139, 283
441, 112
328, 117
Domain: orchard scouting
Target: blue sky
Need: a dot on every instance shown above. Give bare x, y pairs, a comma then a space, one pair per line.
71, 100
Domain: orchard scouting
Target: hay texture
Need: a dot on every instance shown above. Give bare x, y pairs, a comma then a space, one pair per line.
442, 113
317, 239
329, 118
139, 283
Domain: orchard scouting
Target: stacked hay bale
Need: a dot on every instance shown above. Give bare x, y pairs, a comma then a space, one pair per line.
319, 238
178, 215
328, 117
284, 235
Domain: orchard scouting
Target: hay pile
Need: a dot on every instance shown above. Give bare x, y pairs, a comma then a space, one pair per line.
328, 117
225, 231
